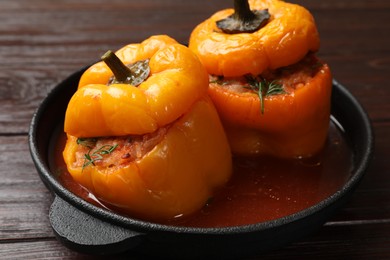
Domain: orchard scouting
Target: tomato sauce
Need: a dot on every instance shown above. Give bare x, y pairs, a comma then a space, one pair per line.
261, 189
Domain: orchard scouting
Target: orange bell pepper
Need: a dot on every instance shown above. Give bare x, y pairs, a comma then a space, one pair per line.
176, 81
156, 151
286, 38
290, 123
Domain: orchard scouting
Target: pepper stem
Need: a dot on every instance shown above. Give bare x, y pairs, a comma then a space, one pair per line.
243, 20
242, 11
121, 72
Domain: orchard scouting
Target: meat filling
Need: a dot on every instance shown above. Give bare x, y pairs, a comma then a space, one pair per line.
115, 151
289, 77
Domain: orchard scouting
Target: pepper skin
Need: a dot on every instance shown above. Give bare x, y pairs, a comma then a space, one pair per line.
284, 40
181, 171
177, 80
293, 124
175, 179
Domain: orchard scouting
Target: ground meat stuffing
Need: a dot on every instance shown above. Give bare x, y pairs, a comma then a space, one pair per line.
290, 77
116, 151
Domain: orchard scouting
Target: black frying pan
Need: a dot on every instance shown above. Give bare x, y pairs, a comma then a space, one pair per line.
86, 228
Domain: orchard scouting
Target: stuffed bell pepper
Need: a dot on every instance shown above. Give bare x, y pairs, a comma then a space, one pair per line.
143, 135
271, 91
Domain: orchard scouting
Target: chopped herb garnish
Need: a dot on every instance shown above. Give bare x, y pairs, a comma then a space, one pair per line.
87, 142
264, 88
91, 158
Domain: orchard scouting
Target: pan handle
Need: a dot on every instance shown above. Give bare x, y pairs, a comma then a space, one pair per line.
84, 233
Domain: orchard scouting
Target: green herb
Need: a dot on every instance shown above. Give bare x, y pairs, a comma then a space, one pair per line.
87, 142
98, 154
264, 88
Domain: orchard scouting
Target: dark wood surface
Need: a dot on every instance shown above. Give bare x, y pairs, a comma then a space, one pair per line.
43, 41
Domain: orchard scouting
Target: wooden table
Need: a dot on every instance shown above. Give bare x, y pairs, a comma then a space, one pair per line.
43, 41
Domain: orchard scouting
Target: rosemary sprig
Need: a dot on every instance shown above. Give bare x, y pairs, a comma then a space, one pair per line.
97, 154
264, 88
274, 88
87, 142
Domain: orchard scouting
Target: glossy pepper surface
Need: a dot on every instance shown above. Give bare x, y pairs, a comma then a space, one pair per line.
190, 160
176, 81
293, 123
287, 37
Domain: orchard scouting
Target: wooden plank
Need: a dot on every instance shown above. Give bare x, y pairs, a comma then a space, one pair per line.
41, 249
24, 199
340, 242
343, 4
37, 54
334, 242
